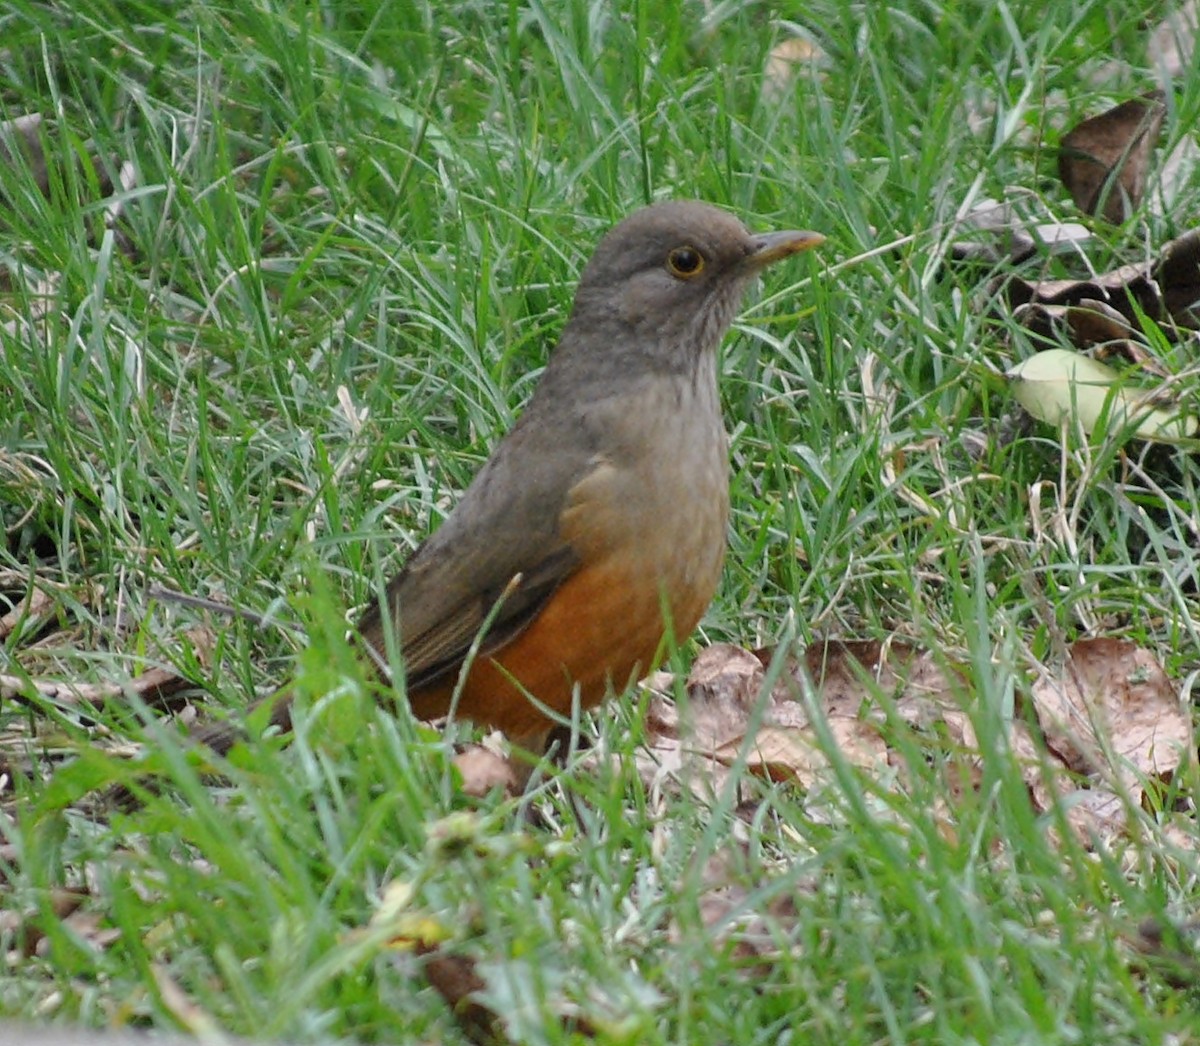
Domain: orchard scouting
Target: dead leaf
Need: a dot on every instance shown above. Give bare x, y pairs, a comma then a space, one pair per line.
1088, 323
840, 670
863, 690
732, 913
484, 770
490, 1000
1111, 712
156, 685
1094, 814
994, 232
181, 1005
1169, 948
1177, 275
723, 686
35, 606
785, 62
725, 698
1167, 290
27, 930
795, 754
1092, 326
456, 980
1179, 831
730, 719
1103, 161
1097, 815
723, 689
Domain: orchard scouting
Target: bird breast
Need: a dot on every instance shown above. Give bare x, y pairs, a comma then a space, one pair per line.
655, 505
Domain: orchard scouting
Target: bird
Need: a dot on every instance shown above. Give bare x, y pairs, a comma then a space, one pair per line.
592, 539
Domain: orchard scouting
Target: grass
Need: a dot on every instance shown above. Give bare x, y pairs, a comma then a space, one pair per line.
352, 237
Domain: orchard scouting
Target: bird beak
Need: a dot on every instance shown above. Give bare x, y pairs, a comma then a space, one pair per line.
774, 246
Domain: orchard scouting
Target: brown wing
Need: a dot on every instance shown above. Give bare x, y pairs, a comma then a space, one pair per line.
507, 526
432, 649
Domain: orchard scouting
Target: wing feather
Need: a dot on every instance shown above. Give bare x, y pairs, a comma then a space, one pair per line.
509, 523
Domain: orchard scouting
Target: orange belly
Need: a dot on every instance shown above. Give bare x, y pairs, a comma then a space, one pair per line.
603, 628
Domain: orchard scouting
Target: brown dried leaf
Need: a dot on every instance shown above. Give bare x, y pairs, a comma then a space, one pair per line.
842, 671
733, 915
723, 687
35, 607
1096, 815
1103, 161
1113, 288
1177, 274
181, 1005
794, 753
725, 698
1113, 712
1169, 948
785, 62
846, 674
456, 980
155, 686
1179, 831
1089, 324
1092, 322
1038, 770
28, 928
726, 703
481, 995
483, 771
1166, 290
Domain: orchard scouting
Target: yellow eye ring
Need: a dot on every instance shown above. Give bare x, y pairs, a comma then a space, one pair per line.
685, 262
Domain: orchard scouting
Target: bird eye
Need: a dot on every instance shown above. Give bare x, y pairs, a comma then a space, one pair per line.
685, 262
